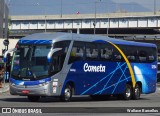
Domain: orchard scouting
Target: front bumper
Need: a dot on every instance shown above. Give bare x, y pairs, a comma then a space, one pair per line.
43, 90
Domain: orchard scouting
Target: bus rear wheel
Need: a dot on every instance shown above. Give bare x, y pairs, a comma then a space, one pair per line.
67, 94
128, 92
33, 98
136, 92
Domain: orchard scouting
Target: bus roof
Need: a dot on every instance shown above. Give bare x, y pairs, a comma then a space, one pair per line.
59, 36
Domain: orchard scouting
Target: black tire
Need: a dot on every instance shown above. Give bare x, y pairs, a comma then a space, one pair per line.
67, 95
33, 98
128, 92
136, 92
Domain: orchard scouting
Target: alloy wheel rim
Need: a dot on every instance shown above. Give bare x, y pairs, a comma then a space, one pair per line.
128, 93
137, 91
67, 93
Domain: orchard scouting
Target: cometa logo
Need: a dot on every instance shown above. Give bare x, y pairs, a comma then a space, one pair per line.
89, 68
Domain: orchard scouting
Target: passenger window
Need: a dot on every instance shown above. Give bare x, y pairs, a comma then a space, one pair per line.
116, 55
142, 56
131, 57
130, 52
151, 58
151, 54
57, 62
91, 51
147, 54
62, 44
106, 52
77, 52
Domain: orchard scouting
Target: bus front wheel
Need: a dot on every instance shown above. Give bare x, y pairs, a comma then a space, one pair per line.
136, 92
33, 98
128, 92
67, 94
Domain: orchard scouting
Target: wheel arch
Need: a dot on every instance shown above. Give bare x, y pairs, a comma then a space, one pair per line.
72, 84
138, 82
130, 83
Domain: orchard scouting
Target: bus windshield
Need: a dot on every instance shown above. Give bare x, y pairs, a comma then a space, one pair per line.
30, 62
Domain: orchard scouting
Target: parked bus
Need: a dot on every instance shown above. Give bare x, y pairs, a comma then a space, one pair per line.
66, 64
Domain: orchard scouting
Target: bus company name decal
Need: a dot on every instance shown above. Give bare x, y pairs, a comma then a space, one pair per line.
91, 68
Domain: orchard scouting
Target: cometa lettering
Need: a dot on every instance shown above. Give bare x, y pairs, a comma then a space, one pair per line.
89, 68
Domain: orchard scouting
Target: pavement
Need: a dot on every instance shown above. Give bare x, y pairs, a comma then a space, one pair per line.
5, 88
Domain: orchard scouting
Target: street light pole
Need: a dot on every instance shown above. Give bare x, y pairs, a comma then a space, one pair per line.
154, 7
43, 13
94, 24
45, 23
4, 18
61, 8
108, 21
3, 27
5, 21
95, 13
108, 27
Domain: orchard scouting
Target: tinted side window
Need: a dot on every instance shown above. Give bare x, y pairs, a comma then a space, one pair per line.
77, 52
91, 50
106, 52
117, 56
62, 44
140, 54
131, 52
57, 62
149, 54
109, 53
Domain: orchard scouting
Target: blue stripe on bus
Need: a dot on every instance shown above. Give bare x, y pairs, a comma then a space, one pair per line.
29, 83
35, 41
100, 41
123, 74
123, 42
108, 87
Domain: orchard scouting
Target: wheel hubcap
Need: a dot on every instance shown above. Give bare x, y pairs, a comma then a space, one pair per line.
137, 91
128, 93
67, 93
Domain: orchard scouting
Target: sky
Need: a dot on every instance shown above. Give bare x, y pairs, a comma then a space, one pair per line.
146, 3
41, 7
